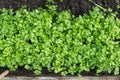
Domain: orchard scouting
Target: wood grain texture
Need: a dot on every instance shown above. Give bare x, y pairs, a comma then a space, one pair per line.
2, 75
63, 78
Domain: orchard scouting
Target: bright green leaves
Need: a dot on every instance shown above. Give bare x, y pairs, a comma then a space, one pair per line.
59, 42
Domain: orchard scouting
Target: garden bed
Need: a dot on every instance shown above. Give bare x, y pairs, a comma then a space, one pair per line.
54, 42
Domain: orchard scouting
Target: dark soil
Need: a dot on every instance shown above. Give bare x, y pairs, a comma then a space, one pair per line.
23, 72
77, 7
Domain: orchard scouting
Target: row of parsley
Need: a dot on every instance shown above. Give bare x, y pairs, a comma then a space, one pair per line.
60, 42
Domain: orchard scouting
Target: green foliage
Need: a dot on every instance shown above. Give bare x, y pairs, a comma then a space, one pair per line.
118, 6
52, 1
59, 42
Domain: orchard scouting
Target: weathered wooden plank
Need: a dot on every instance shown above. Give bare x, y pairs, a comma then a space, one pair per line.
63, 78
